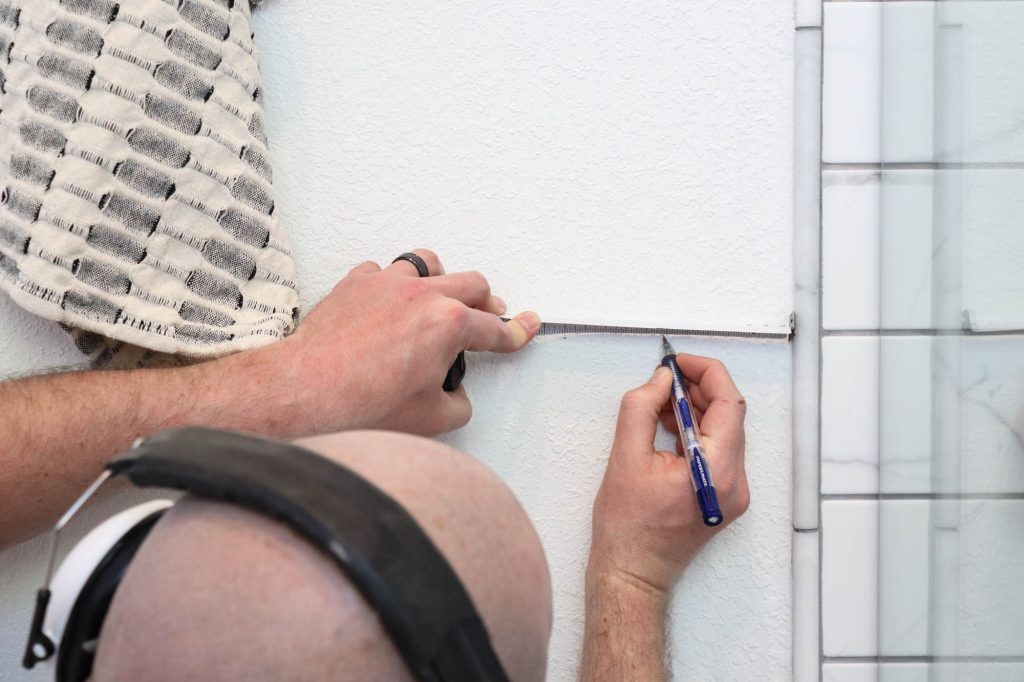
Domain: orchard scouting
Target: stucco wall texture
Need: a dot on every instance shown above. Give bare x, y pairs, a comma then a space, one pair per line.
612, 162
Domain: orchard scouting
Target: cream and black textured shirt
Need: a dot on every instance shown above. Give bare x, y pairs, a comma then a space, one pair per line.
136, 204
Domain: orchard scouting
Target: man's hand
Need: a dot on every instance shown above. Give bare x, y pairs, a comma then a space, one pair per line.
647, 525
374, 353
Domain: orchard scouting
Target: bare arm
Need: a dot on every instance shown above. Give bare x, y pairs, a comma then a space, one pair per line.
647, 526
624, 637
60, 429
372, 354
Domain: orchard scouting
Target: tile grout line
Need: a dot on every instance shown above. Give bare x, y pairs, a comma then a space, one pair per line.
928, 497
886, 166
924, 659
922, 332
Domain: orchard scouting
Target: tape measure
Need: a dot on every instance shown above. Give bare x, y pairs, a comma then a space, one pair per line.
765, 334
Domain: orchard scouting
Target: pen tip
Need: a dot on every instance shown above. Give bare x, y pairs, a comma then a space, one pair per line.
666, 347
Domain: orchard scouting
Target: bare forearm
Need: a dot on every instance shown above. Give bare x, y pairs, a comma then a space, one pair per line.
58, 430
625, 630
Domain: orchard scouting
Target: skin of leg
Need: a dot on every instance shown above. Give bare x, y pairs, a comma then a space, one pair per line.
221, 593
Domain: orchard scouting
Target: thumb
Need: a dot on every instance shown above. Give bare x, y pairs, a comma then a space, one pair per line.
640, 411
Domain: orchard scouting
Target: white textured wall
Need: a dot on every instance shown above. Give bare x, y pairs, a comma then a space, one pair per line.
624, 162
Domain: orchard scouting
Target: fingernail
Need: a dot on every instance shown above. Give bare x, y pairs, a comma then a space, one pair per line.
658, 373
530, 321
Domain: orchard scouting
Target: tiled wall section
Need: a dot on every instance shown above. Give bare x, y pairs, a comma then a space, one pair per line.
921, 449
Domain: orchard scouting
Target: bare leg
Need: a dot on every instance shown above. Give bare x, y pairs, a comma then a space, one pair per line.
221, 593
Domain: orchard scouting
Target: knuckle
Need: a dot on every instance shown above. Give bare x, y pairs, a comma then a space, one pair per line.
478, 281
465, 415
633, 399
454, 315
428, 255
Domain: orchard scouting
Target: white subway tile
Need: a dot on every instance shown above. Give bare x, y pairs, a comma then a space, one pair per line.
808, 13
849, 414
905, 414
903, 576
906, 226
806, 577
992, 242
851, 95
977, 61
908, 53
849, 577
878, 82
850, 240
991, 393
877, 249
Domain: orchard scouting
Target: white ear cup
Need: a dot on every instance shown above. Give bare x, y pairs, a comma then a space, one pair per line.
80, 563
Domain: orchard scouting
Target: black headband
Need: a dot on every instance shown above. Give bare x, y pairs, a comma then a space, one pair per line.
377, 544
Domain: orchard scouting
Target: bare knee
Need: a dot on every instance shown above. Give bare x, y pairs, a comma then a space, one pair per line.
479, 525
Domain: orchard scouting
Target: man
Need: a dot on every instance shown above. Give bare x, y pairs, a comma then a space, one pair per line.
344, 369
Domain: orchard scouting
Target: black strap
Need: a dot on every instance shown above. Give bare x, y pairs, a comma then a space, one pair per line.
376, 542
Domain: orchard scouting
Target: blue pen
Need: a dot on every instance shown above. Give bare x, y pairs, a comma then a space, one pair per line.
690, 435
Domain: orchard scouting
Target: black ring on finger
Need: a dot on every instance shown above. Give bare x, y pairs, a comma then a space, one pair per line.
418, 263
458, 369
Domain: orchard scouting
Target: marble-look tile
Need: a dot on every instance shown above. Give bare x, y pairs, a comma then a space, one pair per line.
906, 226
877, 249
806, 272
807, 13
905, 414
913, 578
851, 95
878, 82
977, 418
850, 244
849, 577
992, 414
907, 67
991, 592
977, 45
849, 414
992, 243
904, 531
806, 609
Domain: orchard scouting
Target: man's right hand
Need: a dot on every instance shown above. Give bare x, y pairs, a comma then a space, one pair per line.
375, 352
647, 525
